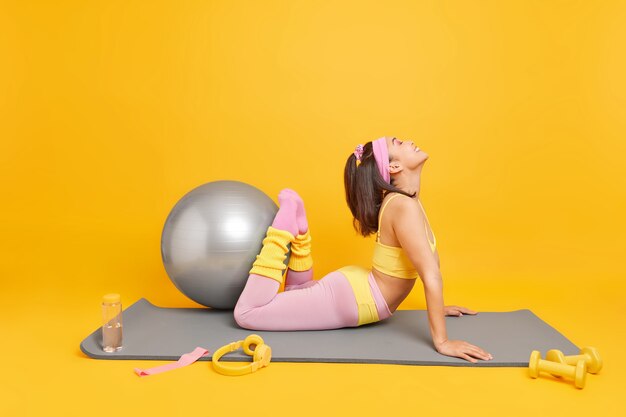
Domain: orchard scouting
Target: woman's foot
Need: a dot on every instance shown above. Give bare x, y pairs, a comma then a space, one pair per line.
303, 225
285, 219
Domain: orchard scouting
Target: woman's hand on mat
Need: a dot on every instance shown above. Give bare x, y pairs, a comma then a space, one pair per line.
462, 349
457, 311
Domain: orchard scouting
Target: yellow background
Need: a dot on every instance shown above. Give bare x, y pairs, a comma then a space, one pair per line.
110, 111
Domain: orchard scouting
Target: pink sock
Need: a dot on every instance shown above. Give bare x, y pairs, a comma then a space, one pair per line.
286, 217
303, 224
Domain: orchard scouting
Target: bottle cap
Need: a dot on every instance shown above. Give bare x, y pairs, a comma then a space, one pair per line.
111, 298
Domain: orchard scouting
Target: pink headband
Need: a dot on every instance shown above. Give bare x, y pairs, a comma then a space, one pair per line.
381, 155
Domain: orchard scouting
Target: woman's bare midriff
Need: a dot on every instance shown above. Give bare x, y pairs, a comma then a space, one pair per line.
393, 289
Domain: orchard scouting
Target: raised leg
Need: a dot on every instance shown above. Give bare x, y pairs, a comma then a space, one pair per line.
300, 268
269, 265
298, 279
260, 305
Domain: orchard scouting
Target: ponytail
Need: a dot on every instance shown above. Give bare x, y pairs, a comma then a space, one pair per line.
365, 190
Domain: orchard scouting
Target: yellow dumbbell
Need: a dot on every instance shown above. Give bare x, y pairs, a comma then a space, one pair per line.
589, 354
578, 373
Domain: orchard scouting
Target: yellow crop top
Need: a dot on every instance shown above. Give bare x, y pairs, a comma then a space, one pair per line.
392, 260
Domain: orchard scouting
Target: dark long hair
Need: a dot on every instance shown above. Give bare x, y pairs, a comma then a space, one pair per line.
365, 190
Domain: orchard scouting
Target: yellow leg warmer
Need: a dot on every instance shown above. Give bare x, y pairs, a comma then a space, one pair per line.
301, 259
271, 261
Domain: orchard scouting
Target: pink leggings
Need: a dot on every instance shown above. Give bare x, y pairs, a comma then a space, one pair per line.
306, 304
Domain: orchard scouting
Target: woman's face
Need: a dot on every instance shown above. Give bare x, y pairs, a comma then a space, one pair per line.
404, 154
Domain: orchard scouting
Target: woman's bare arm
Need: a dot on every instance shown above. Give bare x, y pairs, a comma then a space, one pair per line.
433, 290
408, 226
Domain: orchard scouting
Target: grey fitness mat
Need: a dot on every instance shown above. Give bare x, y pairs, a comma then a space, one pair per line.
152, 332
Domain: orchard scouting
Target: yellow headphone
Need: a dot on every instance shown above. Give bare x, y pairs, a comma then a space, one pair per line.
262, 354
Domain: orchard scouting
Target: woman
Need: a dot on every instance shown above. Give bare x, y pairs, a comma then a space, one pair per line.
381, 175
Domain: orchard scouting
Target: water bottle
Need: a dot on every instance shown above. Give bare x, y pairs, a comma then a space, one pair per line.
112, 323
